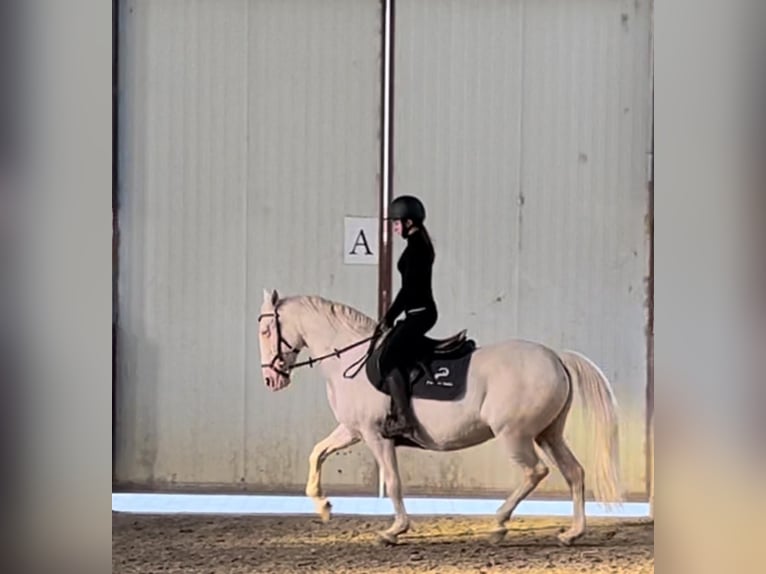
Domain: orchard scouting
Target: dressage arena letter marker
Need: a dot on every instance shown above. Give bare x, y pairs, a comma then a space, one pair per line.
361, 241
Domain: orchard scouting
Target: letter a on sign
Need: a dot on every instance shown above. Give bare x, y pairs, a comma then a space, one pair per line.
361, 241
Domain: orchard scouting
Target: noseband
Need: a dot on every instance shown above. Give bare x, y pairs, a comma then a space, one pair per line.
280, 341
310, 362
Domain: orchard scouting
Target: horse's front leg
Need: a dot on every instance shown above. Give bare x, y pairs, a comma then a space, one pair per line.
342, 437
385, 454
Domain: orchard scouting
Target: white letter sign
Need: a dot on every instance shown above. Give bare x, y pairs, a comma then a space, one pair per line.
361, 241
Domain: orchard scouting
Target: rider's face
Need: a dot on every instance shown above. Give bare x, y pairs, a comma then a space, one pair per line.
401, 227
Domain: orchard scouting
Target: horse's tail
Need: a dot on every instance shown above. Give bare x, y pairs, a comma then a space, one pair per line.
599, 400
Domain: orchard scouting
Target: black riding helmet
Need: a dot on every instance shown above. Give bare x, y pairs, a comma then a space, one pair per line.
407, 207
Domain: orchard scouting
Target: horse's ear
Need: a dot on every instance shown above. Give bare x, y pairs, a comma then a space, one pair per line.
270, 296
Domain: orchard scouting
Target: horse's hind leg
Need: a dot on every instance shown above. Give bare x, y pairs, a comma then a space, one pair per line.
553, 443
522, 450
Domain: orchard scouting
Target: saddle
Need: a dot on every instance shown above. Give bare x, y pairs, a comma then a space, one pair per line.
440, 371
448, 345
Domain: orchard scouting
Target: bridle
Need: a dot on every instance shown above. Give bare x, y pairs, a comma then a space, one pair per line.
292, 350
280, 341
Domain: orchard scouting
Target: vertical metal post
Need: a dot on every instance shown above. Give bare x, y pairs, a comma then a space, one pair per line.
650, 349
387, 173
115, 209
387, 160
650, 295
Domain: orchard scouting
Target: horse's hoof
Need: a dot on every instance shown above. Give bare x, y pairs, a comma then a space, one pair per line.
567, 539
388, 539
497, 535
325, 510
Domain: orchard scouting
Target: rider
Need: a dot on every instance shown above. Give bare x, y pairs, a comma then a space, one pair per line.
415, 299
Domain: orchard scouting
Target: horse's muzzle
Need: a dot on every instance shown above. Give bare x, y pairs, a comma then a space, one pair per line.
275, 381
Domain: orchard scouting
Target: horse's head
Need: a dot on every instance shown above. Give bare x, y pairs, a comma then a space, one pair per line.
280, 342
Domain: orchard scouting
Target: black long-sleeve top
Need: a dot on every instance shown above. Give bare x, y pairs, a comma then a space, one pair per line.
415, 266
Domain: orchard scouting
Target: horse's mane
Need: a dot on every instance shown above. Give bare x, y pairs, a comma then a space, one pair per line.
340, 313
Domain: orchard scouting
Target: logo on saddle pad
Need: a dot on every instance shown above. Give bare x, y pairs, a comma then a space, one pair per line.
441, 372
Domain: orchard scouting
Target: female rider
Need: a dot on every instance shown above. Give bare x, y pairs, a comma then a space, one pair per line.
414, 299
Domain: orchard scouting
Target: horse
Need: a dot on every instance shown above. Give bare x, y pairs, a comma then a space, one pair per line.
516, 391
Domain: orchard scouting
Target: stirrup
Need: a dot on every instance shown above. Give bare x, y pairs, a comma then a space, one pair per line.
393, 427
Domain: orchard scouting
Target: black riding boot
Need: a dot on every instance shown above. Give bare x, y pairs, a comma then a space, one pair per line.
402, 420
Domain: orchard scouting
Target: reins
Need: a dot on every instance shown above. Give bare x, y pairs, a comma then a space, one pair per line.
335, 353
311, 360
359, 363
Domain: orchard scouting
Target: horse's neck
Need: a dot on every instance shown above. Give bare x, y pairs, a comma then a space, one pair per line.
323, 337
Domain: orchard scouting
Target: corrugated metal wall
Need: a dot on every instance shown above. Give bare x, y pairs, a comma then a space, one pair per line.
248, 130
524, 125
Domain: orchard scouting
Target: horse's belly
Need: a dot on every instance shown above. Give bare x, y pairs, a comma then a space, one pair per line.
479, 436
450, 433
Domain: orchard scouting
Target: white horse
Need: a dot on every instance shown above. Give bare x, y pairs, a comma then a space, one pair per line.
517, 391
